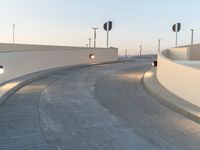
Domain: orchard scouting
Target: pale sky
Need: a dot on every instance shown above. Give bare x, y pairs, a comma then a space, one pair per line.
69, 22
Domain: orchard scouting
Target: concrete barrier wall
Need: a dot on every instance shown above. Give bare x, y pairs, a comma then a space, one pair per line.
182, 80
195, 52
179, 53
19, 59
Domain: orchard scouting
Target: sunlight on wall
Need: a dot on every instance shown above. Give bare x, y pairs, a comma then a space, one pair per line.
149, 74
7, 87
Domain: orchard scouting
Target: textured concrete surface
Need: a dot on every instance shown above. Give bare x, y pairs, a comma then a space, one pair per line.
10, 87
93, 108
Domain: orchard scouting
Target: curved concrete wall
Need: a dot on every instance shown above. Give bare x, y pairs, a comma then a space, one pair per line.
180, 77
19, 60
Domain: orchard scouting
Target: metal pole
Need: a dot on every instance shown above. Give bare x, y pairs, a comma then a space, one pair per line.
192, 36
13, 33
89, 41
107, 34
126, 53
95, 36
140, 51
159, 45
176, 35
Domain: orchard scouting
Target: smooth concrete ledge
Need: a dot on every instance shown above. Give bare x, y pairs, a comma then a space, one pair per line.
10, 87
169, 99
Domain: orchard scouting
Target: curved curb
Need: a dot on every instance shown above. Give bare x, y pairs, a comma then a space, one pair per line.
21, 82
26, 79
169, 99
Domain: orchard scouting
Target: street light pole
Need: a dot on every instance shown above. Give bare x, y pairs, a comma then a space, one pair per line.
192, 36
140, 51
95, 36
90, 39
13, 33
159, 40
126, 53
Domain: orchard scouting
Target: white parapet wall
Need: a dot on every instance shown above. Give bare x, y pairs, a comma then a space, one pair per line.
179, 74
179, 53
19, 59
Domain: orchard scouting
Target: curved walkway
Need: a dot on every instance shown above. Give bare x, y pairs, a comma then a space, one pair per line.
93, 108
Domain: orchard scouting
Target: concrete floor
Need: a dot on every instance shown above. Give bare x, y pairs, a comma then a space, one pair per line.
102, 107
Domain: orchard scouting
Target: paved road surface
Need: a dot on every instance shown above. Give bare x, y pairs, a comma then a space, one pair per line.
102, 107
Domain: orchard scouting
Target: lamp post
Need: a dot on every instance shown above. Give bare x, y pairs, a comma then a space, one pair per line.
126, 53
159, 40
13, 33
140, 51
192, 36
95, 36
176, 43
90, 39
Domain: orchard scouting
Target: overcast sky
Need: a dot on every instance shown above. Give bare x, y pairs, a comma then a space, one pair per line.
69, 22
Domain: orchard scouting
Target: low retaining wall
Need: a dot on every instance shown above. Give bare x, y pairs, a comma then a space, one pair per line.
18, 60
179, 78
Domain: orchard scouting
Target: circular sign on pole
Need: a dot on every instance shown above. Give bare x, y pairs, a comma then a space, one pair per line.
105, 26
108, 26
176, 27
